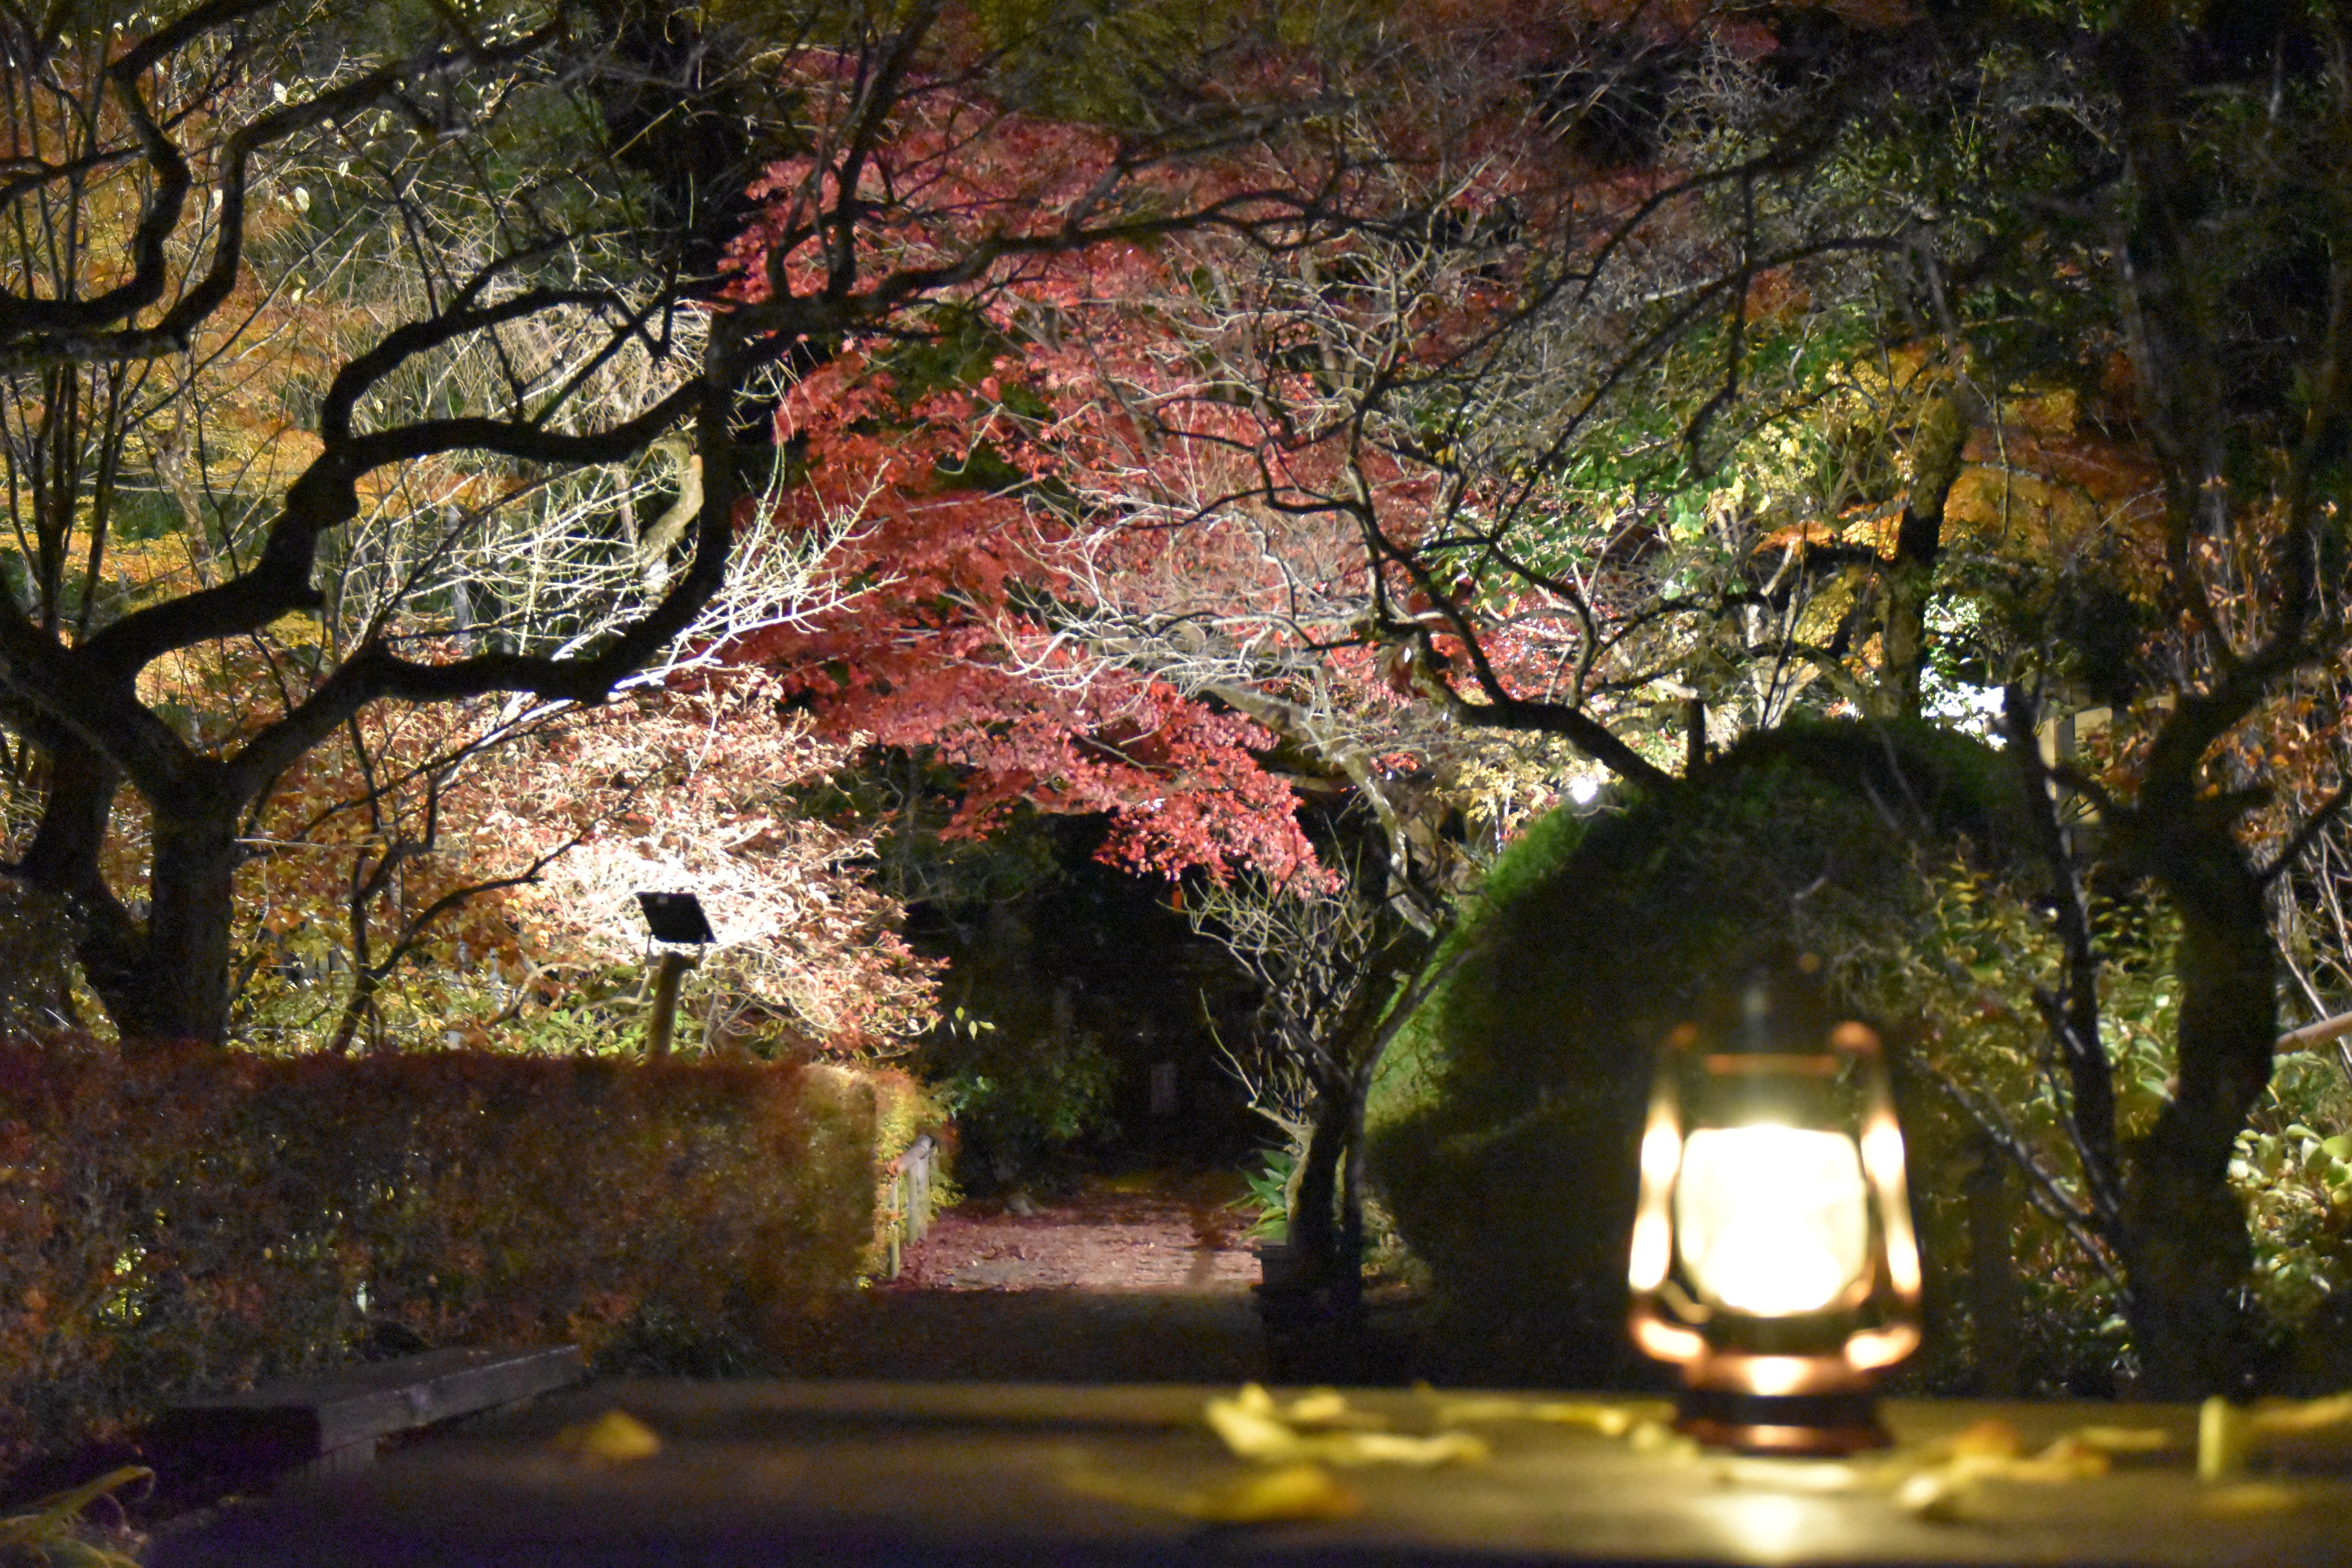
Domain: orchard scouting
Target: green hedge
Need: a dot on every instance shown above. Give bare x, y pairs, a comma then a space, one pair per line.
201, 1218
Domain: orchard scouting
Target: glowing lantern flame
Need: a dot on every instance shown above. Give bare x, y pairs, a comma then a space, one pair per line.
1773, 1220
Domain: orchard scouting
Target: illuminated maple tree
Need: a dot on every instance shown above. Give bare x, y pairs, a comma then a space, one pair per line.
433, 494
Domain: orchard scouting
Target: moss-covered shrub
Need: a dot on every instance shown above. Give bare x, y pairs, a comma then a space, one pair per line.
1505, 1124
208, 1218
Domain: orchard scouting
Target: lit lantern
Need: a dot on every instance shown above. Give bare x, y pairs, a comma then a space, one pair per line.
1773, 1257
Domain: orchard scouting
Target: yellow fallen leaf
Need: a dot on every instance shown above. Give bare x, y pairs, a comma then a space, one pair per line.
615, 1437
1941, 1492
1938, 1497
1316, 1407
1611, 1419
1320, 1407
1303, 1491
2246, 1497
2225, 1437
1249, 1428
1395, 1448
2228, 1437
2068, 1459
2304, 1415
1292, 1492
1990, 1437
2123, 1439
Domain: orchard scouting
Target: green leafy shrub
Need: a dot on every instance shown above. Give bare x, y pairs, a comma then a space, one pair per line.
1959, 979
208, 1218
1964, 978
2297, 1179
1019, 1102
1267, 1205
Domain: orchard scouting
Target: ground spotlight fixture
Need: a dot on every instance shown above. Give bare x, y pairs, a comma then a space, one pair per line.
1773, 1257
675, 921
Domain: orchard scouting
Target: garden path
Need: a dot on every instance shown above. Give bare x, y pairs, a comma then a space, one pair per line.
1133, 1279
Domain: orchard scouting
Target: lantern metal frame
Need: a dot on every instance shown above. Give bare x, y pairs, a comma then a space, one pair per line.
1785, 1383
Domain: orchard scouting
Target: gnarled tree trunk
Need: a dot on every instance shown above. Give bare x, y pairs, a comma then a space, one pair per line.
2185, 1241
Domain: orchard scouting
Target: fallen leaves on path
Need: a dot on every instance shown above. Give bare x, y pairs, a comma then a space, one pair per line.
1102, 1238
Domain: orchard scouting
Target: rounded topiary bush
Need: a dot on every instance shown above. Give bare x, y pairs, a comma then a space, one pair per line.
1504, 1128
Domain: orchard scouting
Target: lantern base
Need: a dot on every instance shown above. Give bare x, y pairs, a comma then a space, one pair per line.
1797, 1424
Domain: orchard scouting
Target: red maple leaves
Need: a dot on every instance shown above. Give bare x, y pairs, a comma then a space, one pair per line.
1112, 506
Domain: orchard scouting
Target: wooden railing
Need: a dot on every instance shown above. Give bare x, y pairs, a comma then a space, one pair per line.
910, 1215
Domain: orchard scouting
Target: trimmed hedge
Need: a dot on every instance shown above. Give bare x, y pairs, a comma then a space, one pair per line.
199, 1218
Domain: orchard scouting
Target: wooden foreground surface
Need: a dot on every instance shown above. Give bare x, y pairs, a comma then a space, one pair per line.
925, 1474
